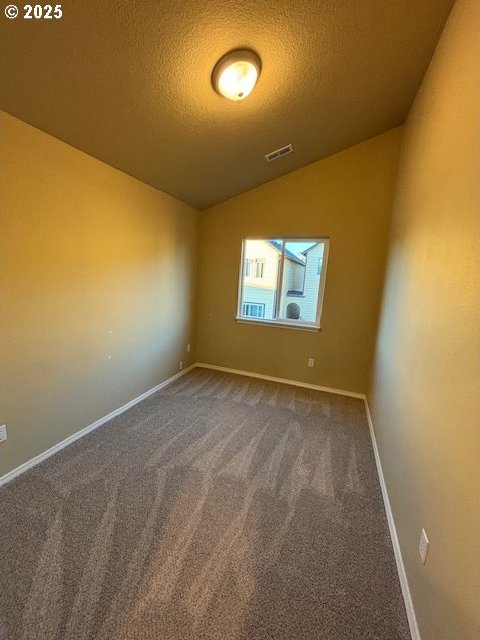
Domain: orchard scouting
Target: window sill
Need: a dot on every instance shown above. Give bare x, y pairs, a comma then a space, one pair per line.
279, 323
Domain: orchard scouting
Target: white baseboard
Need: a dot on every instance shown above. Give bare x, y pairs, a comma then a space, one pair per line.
295, 383
412, 618
91, 427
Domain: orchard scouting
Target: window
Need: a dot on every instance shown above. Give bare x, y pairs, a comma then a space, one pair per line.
282, 281
259, 268
254, 268
252, 310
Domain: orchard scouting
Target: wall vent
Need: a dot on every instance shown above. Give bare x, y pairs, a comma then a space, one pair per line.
279, 153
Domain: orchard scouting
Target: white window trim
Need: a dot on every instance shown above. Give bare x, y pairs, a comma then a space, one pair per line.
280, 322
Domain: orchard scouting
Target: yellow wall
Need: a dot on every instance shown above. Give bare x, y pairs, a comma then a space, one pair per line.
425, 395
347, 197
93, 263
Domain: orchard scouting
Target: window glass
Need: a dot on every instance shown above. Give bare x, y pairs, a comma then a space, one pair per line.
283, 280
259, 284
301, 281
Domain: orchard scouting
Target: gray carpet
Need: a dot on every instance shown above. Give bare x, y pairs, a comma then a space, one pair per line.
222, 507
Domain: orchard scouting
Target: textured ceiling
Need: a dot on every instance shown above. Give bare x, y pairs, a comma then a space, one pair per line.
128, 82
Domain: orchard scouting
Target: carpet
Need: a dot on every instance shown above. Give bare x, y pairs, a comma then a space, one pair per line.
220, 508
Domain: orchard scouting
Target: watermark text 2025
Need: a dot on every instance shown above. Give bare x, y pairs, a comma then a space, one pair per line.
34, 12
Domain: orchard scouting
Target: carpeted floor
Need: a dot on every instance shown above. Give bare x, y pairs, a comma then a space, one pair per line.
221, 508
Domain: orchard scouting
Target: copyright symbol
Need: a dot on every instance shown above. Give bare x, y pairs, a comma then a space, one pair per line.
11, 11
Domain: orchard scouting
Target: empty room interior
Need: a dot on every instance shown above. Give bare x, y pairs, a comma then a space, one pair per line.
240, 320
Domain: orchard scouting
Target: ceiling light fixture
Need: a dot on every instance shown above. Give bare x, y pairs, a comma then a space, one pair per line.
236, 74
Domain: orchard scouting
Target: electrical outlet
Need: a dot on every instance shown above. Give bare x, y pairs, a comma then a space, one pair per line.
180, 365
311, 362
423, 546
188, 348
3, 432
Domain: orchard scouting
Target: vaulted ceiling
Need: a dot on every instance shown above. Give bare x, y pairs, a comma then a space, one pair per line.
129, 82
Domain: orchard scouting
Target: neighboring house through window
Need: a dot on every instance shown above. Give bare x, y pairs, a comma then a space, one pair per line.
282, 281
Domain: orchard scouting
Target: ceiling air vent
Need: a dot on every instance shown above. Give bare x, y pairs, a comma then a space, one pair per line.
279, 153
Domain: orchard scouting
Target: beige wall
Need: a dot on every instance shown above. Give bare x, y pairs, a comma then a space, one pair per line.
425, 395
93, 263
347, 197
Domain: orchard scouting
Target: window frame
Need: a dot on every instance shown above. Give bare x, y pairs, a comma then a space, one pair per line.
284, 322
